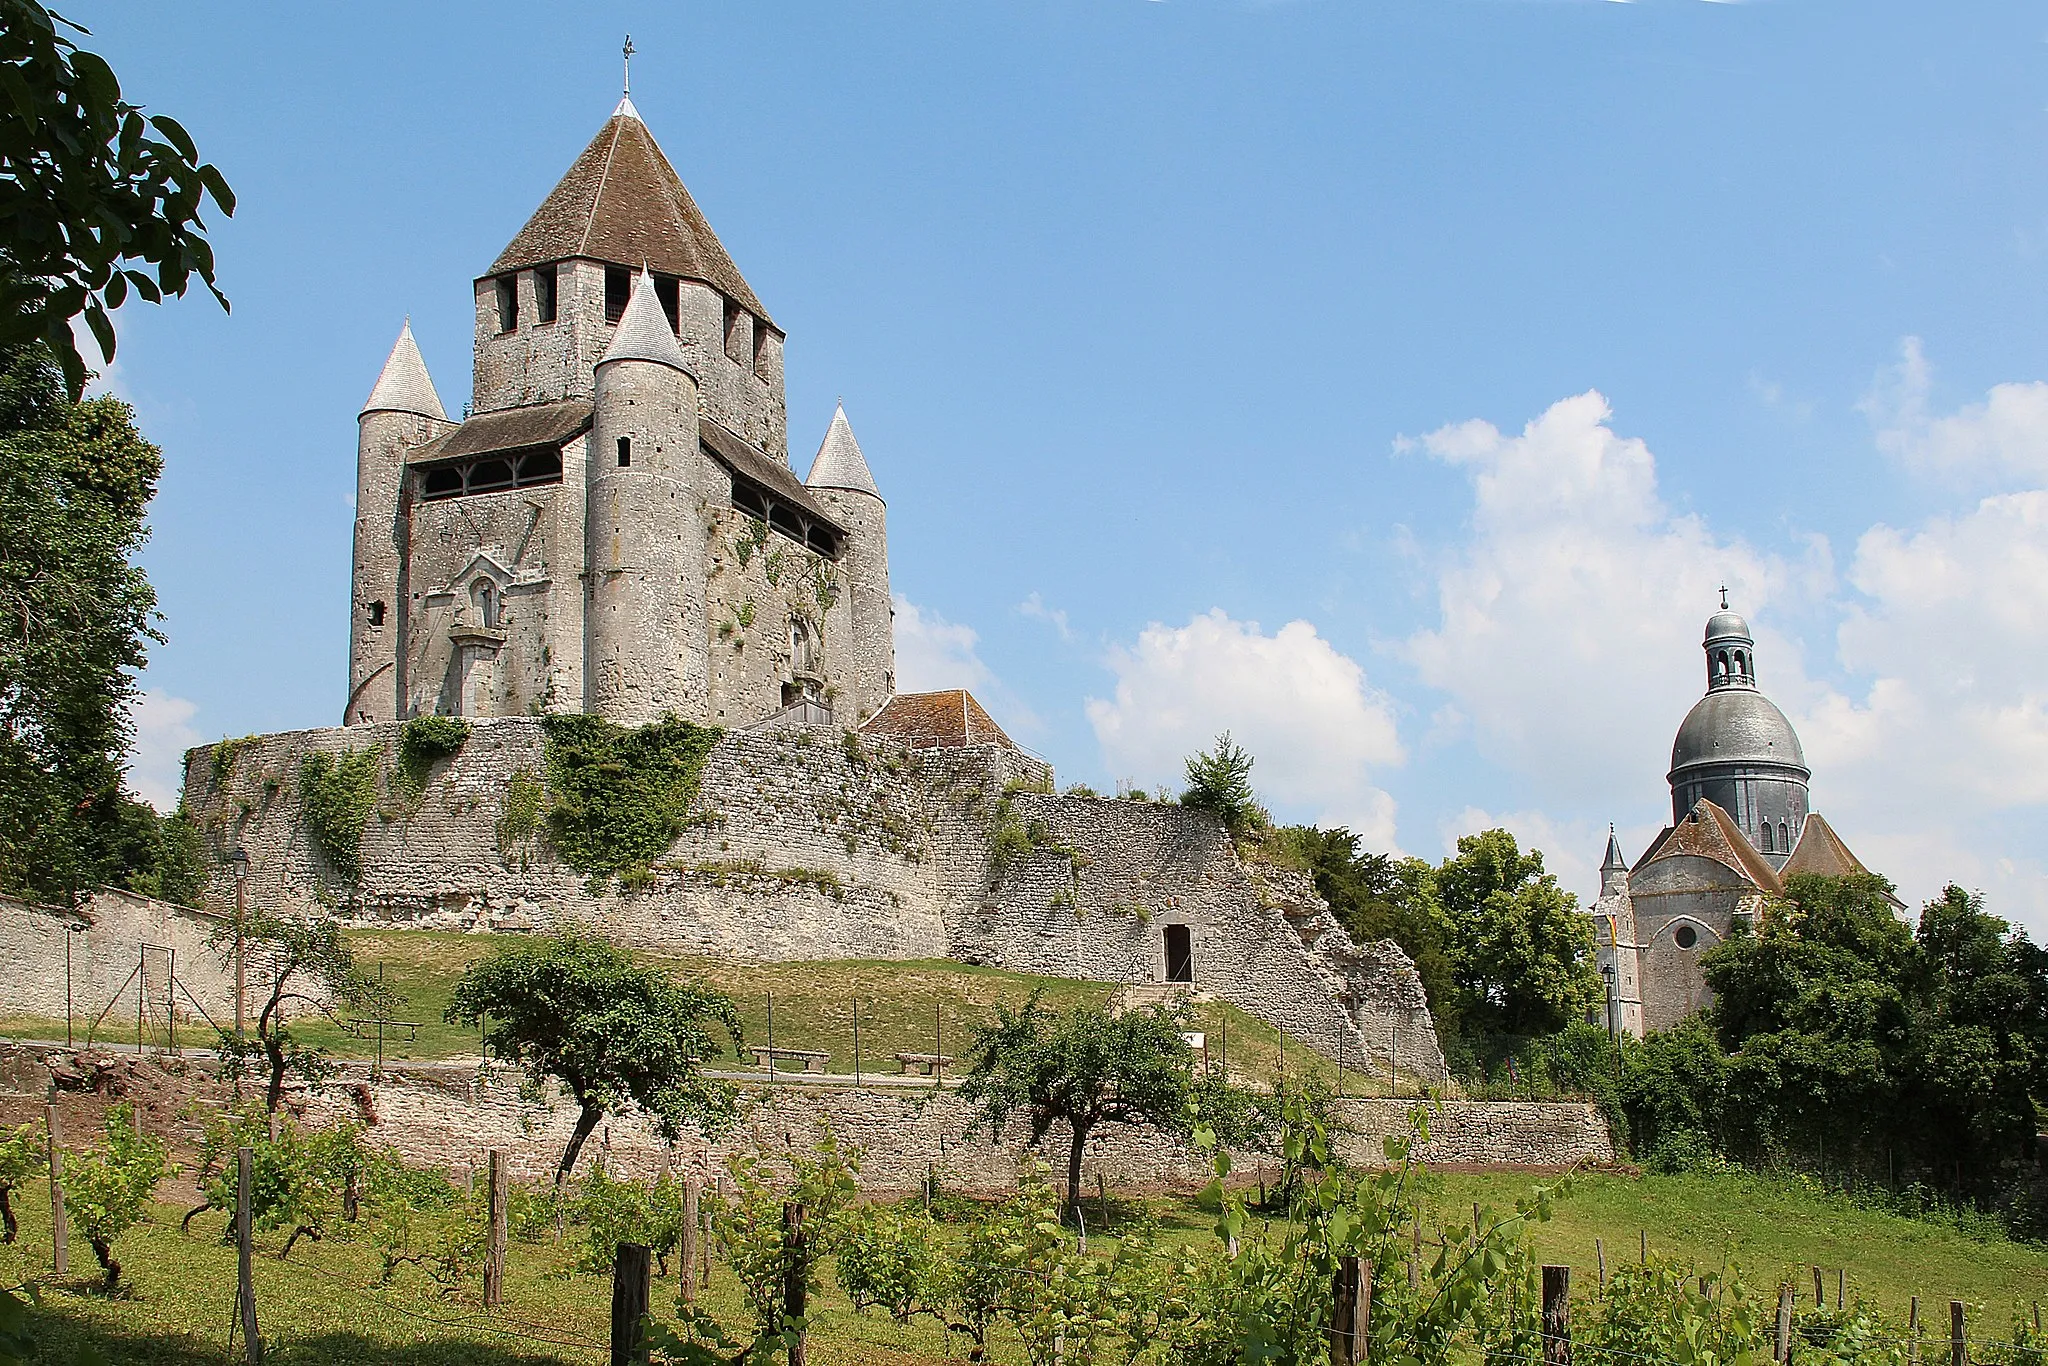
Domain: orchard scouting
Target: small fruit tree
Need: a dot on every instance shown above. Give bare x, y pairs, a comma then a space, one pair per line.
107, 1190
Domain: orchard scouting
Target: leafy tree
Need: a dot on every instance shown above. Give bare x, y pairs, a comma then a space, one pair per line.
1522, 954
311, 969
90, 189
750, 1232
1220, 780
1085, 1067
107, 1190
22, 1155
574, 1009
76, 617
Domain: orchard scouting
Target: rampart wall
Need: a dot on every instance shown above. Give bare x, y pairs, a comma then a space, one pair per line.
105, 938
807, 843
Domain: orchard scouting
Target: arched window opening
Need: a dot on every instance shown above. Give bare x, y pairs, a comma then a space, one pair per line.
803, 652
1767, 839
1721, 664
1784, 837
483, 595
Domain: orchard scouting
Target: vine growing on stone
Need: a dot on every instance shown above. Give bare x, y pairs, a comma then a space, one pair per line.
337, 793
619, 796
422, 742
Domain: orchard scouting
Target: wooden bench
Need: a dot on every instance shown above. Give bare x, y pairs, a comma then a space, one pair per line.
811, 1061
926, 1061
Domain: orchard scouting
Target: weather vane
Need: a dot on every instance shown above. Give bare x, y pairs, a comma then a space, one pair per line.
627, 53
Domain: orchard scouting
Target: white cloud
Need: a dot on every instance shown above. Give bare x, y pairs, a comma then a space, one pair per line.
1569, 614
1305, 711
1568, 640
2006, 434
1055, 617
156, 761
933, 654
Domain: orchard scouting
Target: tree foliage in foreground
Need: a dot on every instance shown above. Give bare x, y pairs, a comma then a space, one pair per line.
76, 619
91, 188
1084, 1067
574, 1009
107, 1190
309, 969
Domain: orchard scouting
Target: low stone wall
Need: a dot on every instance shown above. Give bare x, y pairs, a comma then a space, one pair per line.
452, 1116
104, 938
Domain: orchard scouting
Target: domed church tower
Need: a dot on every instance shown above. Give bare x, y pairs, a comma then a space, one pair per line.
1737, 750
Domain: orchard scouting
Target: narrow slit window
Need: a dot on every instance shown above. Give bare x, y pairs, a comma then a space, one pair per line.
618, 285
508, 303
544, 280
669, 292
625, 451
376, 614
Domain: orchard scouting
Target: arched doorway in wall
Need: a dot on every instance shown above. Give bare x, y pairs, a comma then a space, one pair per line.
1180, 954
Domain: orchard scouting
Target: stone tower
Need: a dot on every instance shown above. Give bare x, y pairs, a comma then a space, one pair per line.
614, 526
842, 482
643, 544
403, 411
1737, 750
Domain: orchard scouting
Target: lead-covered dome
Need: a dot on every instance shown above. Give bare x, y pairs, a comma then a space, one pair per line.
1726, 625
1735, 725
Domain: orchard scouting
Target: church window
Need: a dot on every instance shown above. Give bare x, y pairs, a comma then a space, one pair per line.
508, 302
376, 614
486, 475
544, 280
1767, 839
625, 451
669, 291
1685, 936
618, 286
1784, 837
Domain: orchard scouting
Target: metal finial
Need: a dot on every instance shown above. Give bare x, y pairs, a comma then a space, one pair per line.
1724, 597
627, 53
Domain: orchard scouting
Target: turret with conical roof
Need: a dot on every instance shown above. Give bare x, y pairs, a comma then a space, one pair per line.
843, 483
644, 542
546, 309
402, 412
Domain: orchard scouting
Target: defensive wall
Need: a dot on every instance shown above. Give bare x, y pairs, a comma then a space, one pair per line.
451, 1115
807, 843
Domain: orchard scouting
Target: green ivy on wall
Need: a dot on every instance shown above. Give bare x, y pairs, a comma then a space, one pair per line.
620, 796
337, 793
421, 742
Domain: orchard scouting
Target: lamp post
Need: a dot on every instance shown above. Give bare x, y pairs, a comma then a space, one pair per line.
239, 862
1607, 971
73, 928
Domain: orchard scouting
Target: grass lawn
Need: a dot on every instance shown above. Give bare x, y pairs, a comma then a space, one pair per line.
324, 1304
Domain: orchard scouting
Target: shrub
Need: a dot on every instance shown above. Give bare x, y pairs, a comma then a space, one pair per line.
22, 1155
106, 1191
1220, 780
422, 742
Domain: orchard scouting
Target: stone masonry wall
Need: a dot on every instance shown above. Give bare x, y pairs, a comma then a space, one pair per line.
811, 844
104, 956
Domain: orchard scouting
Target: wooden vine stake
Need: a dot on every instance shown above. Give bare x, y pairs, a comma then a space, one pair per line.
1958, 1339
245, 1251
1913, 1333
60, 1223
686, 1248
495, 1240
1781, 1350
632, 1288
795, 1293
1350, 1312
1557, 1316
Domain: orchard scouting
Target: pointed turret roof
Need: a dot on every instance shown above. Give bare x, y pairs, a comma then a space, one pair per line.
840, 465
1614, 862
404, 386
622, 202
644, 333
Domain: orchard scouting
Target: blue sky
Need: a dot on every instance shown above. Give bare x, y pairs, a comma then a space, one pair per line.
1390, 383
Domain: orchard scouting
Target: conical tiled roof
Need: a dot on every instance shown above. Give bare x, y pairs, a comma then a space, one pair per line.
1821, 851
643, 332
840, 465
404, 386
623, 203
